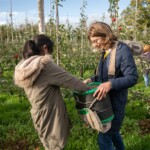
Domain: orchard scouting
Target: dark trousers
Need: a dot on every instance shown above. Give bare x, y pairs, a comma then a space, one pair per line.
110, 141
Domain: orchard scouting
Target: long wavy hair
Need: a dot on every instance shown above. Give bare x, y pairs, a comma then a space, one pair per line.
103, 30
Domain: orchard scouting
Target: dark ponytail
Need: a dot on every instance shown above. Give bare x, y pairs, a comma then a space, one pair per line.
41, 40
30, 49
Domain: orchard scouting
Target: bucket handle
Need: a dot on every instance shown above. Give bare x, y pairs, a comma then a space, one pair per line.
92, 103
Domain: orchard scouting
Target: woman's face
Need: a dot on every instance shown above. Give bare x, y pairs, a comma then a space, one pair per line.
97, 42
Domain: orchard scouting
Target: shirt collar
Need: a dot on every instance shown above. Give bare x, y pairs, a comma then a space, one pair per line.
106, 53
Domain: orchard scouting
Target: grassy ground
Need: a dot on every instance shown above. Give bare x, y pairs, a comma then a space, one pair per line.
17, 131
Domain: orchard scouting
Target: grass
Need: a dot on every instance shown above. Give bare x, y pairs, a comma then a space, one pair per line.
16, 128
17, 131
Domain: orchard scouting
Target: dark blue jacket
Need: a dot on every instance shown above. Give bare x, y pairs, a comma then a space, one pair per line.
125, 77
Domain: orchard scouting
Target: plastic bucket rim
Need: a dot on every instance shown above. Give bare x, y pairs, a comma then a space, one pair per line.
107, 120
91, 91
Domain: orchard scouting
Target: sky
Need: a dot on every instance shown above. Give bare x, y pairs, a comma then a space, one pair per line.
22, 9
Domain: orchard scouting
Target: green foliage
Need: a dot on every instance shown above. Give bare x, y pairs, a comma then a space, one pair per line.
17, 130
16, 127
136, 141
136, 20
130, 125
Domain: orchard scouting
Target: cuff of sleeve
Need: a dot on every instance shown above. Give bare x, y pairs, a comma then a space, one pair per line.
112, 83
94, 79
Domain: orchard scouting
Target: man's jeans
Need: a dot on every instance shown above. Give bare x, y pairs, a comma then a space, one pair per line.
110, 141
146, 79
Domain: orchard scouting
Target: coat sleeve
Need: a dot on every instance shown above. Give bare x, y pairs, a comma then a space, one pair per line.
59, 77
128, 69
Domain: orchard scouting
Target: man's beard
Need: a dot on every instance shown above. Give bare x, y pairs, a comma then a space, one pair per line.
99, 50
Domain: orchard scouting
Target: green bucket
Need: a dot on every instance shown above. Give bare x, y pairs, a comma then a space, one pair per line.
103, 107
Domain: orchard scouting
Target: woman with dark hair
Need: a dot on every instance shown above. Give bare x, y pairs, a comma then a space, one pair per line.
102, 37
41, 79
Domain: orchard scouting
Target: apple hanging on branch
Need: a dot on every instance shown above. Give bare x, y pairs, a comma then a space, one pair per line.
113, 19
119, 28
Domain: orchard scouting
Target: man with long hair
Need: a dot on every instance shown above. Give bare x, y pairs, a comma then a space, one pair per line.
102, 37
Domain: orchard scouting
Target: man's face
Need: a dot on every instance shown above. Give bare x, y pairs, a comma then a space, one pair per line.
97, 42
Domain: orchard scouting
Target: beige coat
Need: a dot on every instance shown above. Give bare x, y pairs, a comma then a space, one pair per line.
41, 80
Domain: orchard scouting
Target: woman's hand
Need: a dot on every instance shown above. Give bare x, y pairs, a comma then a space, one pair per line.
87, 81
102, 90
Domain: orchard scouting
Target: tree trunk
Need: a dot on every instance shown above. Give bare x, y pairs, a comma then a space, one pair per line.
57, 29
12, 35
41, 16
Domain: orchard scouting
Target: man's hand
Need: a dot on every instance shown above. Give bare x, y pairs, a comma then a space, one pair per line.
102, 90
